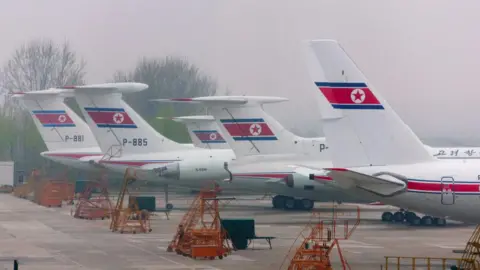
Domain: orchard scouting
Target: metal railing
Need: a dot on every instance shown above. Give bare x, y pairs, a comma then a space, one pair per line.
430, 263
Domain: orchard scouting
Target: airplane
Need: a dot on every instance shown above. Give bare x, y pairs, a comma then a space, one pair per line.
116, 125
202, 130
273, 160
376, 155
67, 137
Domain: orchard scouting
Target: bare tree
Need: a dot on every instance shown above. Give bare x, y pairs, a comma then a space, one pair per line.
37, 65
169, 77
41, 64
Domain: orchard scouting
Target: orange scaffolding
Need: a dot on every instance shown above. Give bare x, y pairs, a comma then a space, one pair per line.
97, 207
323, 236
129, 219
199, 233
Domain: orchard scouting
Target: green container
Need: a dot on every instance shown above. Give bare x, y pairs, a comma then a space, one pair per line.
146, 203
80, 186
239, 231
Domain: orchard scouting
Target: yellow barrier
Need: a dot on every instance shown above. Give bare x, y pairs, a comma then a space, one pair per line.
425, 261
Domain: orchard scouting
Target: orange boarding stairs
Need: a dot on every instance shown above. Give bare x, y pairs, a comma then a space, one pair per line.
314, 253
98, 207
129, 218
199, 233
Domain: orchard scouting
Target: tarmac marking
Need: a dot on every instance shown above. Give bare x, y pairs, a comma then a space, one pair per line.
263, 226
238, 258
448, 246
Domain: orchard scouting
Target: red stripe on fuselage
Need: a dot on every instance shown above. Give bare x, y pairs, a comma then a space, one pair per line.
72, 155
133, 162
439, 187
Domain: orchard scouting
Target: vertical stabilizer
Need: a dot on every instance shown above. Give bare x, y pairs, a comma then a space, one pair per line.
360, 127
118, 128
59, 126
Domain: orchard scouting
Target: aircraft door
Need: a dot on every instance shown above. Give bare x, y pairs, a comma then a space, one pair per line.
447, 187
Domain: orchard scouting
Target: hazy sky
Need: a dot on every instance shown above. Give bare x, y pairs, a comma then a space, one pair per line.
422, 55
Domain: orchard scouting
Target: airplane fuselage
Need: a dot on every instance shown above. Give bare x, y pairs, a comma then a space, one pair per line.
444, 188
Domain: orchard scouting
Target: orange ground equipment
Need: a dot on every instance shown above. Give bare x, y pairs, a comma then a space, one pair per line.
324, 234
200, 234
94, 207
129, 219
471, 257
49, 193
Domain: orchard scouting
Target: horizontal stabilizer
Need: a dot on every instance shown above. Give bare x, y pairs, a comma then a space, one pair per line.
383, 184
190, 119
126, 87
48, 93
226, 100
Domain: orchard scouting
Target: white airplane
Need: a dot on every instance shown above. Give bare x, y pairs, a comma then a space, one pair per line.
376, 155
113, 122
203, 131
66, 135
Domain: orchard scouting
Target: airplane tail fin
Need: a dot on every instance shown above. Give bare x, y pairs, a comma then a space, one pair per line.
117, 127
247, 128
360, 126
203, 131
60, 127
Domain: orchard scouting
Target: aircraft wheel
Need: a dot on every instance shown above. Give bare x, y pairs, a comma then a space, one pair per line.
427, 221
278, 201
409, 216
289, 203
387, 217
307, 204
415, 221
440, 222
398, 217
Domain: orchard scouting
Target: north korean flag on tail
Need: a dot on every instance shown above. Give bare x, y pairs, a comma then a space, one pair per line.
53, 118
251, 129
349, 96
110, 117
209, 136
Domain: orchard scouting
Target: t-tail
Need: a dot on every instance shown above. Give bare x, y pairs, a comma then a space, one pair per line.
59, 127
360, 127
118, 128
203, 131
247, 128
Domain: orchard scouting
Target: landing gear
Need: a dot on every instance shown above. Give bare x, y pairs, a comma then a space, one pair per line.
412, 219
168, 205
290, 203
398, 217
439, 222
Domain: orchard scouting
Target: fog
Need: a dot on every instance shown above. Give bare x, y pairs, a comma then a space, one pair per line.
421, 55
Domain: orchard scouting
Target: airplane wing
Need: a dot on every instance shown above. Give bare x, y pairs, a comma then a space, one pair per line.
383, 184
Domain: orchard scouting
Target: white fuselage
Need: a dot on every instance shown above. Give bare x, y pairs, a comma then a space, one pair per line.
444, 188
76, 158
268, 174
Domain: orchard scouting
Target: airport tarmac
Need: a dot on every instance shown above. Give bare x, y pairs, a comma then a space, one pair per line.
49, 238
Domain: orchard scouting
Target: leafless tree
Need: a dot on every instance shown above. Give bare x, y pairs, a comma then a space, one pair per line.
36, 65
169, 77
40, 64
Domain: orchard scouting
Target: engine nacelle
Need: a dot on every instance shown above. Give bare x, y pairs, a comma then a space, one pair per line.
296, 180
170, 171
